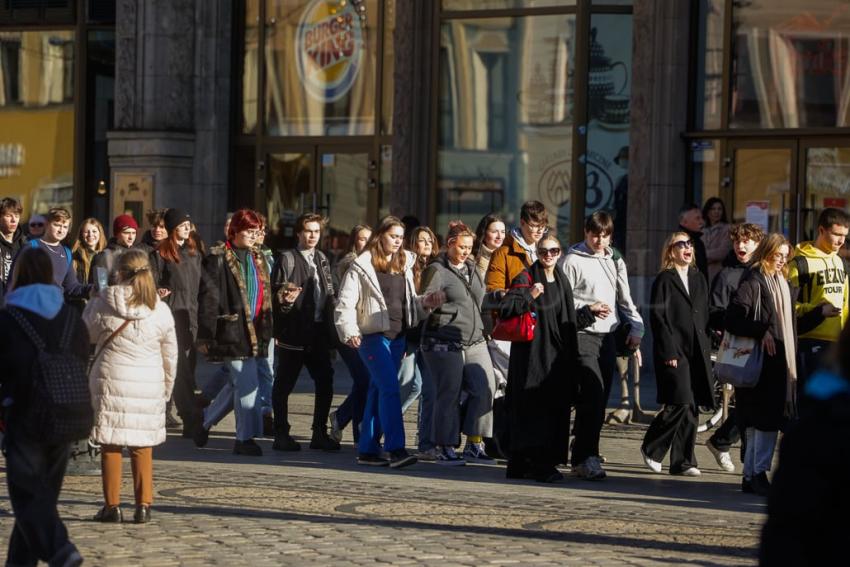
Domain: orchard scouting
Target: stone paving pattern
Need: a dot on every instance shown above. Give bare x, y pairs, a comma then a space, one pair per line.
315, 508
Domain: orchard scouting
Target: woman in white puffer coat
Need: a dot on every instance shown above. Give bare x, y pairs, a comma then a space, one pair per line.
131, 379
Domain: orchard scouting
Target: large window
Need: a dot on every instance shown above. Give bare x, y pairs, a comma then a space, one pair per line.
37, 117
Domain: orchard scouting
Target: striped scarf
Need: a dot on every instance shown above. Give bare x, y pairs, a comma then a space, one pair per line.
253, 285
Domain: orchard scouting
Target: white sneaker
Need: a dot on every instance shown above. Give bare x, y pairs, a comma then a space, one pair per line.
590, 469
654, 466
448, 456
335, 432
723, 458
691, 471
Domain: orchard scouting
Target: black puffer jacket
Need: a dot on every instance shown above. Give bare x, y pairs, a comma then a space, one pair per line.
223, 324
183, 281
8, 251
108, 259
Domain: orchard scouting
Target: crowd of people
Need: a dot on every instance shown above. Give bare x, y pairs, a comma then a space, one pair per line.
499, 333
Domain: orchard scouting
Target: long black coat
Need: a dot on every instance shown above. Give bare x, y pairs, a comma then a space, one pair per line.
762, 407
679, 321
540, 373
183, 279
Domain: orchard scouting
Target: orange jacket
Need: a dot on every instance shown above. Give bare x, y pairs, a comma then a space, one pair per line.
506, 263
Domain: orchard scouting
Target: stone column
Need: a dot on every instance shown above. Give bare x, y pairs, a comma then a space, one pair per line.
172, 103
659, 104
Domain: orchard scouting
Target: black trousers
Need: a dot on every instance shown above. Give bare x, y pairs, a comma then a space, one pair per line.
727, 434
183, 393
597, 361
317, 359
34, 473
674, 429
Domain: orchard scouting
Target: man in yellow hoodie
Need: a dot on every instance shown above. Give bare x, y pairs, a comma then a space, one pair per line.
822, 304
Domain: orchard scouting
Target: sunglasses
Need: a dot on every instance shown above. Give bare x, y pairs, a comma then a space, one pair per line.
548, 251
683, 244
36, 224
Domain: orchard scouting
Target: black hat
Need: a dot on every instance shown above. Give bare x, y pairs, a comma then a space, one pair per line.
174, 218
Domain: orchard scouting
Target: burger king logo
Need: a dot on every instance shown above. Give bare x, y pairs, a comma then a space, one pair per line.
329, 47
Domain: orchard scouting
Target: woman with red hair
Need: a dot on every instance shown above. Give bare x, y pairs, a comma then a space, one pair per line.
234, 326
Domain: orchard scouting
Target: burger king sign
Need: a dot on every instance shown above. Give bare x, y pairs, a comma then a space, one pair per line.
329, 47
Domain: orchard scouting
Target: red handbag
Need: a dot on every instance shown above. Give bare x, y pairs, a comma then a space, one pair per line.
519, 329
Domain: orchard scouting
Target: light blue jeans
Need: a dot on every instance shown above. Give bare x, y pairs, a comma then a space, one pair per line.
266, 373
238, 394
758, 455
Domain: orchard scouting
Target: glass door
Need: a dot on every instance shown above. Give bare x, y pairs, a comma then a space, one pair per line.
764, 175
825, 170
340, 183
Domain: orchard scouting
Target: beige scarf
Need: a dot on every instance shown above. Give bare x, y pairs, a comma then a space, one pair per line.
781, 295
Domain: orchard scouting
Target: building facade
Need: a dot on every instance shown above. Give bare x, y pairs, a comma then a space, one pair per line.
441, 109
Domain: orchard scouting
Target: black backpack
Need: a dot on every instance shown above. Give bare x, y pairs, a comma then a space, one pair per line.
60, 409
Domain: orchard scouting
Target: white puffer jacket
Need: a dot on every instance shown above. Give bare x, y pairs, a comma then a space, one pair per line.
361, 308
132, 378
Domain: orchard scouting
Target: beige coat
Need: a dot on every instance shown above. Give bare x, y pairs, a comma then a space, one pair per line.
361, 309
132, 378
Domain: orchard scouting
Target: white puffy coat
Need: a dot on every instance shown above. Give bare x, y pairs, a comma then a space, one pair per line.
361, 308
132, 378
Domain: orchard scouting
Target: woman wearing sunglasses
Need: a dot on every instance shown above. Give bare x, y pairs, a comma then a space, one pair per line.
681, 350
539, 383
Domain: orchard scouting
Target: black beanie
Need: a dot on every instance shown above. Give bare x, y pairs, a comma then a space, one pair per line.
174, 218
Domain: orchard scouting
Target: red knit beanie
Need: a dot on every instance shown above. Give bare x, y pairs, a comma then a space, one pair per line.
124, 221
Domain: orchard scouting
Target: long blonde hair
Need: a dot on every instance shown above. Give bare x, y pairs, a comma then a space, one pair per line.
763, 256
134, 270
81, 252
667, 250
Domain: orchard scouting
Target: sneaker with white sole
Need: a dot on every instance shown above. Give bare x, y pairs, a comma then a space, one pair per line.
474, 452
335, 432
654, 466
690, 471
723, 458
590, 469
447, 456
427, 455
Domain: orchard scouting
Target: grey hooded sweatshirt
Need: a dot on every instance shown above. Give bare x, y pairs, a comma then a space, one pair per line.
595, 278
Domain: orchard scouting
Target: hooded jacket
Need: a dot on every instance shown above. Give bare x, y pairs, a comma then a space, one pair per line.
361, 308
132, 378
459, 319
8, 251
596, 278
821, 277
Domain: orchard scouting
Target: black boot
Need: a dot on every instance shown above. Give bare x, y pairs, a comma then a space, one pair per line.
248, 448
322, 441
285, 442
109, 515
760, 484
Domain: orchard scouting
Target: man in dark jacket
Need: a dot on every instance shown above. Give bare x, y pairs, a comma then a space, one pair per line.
12, 239
303, 295
691, 221
124, 229
745, 239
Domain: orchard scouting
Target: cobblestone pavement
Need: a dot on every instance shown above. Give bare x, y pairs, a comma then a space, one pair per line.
316, 508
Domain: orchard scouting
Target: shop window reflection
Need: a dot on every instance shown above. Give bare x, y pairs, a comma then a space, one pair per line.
321, 66
709, 64
37, 113
250, 66
827, 185
505, 111
790, 64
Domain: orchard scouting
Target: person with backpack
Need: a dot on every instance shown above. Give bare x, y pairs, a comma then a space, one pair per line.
597, 273
58, 221
43, 343
303, 300
131, 377
124, 230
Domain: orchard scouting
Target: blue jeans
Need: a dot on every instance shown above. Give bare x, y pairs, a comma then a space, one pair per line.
239, 394
265, 374
409, 380
351, 409
382, 413
210, 377
426, 404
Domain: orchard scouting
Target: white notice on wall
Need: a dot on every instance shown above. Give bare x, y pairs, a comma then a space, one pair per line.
757, 213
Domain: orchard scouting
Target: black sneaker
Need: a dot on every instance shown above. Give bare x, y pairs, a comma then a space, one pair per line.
285, 443
268, 426
401, 458
109, 515
371, 460
747, 486
760, 484
248, 448
201, 435
322, 442
142, 515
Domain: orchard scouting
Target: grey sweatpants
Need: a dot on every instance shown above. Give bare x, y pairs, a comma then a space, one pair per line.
469, 370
